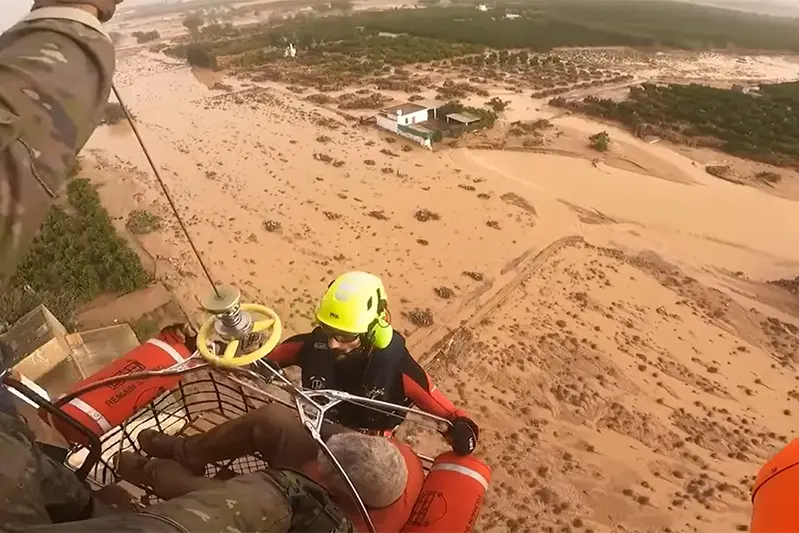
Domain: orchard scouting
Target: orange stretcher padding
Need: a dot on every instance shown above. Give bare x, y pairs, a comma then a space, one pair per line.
451, 495
775, 497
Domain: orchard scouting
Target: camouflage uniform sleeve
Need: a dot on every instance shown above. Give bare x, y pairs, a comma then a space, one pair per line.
56, 67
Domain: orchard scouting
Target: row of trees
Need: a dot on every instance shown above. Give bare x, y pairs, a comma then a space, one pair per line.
552, 23
762, 126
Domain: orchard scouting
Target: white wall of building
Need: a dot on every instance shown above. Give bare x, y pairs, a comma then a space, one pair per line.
386, 123
412, 118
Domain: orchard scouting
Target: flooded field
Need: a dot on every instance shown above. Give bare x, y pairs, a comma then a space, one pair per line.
617, 341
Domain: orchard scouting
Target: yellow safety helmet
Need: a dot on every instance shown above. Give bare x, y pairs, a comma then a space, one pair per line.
356, 303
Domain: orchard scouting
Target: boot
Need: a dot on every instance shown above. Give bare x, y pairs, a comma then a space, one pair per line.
166, 477
130, 467
157, 444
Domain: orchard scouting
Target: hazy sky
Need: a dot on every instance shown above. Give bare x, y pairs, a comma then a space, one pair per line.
12, 10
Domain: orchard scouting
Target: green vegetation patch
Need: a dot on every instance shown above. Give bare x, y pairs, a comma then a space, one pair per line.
600, 141
76, 257
762, 125
141, 222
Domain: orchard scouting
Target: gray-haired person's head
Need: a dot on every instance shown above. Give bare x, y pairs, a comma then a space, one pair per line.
375, 466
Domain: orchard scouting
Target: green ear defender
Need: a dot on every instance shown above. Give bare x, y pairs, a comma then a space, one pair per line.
380, 330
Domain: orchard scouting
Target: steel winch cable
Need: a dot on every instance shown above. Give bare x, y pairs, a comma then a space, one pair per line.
157, 174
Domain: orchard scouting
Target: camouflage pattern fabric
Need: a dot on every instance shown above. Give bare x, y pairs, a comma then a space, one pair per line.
121, 523
34, 489
105, 8
244, 504
55, 79
21, 499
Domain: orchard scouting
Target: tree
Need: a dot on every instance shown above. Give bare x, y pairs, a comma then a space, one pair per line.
600, 141
497, 104
193, 22
200, 56
146, 37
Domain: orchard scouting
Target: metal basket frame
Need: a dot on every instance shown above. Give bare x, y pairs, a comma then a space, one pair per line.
230, 395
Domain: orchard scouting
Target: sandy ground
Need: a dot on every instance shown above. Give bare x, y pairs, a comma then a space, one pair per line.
625, 379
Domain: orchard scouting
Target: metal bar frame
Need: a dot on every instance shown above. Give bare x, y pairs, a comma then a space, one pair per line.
307, 403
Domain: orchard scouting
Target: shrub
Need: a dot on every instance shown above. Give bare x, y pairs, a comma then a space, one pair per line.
600, 141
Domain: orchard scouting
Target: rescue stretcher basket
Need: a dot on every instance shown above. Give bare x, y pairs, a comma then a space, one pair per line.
204, 397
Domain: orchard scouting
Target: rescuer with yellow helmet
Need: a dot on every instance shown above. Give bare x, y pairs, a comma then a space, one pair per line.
353, 348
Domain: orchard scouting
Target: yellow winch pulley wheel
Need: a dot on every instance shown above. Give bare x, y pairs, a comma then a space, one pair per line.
229, 359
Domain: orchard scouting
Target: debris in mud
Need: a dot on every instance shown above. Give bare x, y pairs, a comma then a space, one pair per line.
775, 325
406, 148
466, 187
379, 215
720, 171
319, 98
338, 163
444, 292
369, 162
325, 122
388, 152
477, 276
493, 224
484, 196
588, 216
332, 216
271, 225
387, 170
768, 177
790, 285
390, 140
324, 158
324, 139
423, 215
724, 172
422, 318
211, 175
423, 242
517, 201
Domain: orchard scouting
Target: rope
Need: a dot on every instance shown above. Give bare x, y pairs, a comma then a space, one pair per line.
164, 188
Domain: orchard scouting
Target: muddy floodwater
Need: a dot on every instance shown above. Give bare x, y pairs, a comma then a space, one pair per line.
607, 316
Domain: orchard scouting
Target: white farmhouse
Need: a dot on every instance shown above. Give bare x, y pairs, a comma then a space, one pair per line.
407, 120
408, 113
482, 7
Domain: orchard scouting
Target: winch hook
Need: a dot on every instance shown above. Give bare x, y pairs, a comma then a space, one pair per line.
233, 322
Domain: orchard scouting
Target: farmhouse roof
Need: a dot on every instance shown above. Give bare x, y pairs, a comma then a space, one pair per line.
404, 109
463, 117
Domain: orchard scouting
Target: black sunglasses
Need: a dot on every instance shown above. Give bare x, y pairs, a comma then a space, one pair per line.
340, 336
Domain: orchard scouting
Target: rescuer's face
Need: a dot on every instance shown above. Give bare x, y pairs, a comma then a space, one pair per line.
342, 343
339, 347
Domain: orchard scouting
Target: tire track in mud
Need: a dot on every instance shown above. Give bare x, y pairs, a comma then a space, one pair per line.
434, 342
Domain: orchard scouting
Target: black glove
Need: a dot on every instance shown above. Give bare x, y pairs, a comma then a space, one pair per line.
463, 435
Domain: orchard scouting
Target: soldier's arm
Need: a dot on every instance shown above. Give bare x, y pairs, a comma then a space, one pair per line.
56, 67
